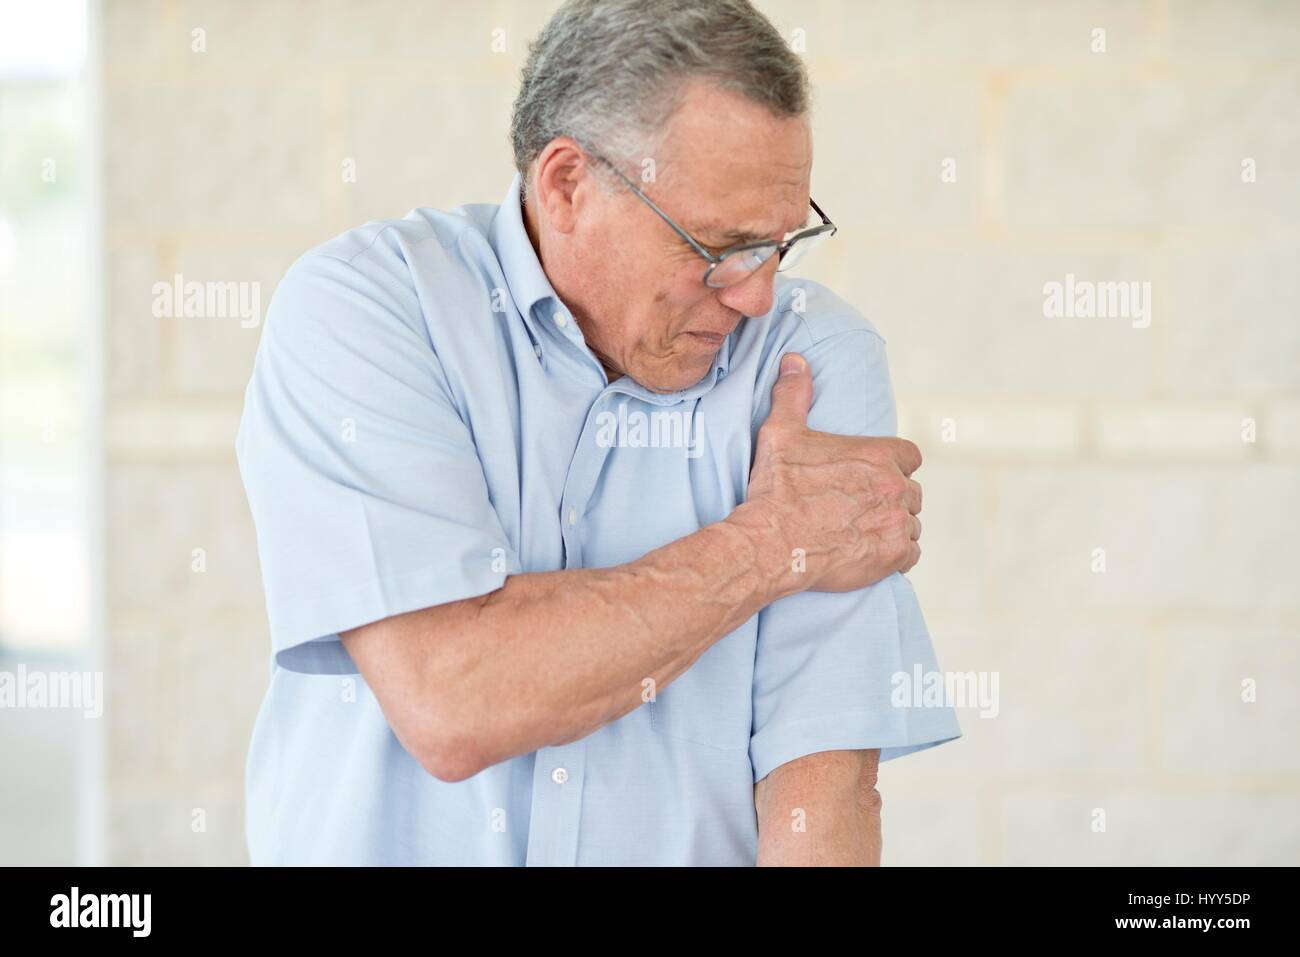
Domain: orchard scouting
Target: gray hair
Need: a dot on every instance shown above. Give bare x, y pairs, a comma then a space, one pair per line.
609, 73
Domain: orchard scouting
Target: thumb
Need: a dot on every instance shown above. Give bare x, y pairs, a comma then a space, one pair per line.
792, 394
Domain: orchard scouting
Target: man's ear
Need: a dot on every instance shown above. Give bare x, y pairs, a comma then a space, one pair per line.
561, 178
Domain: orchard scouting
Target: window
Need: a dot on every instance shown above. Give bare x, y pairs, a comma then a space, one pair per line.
47, 337
44, 293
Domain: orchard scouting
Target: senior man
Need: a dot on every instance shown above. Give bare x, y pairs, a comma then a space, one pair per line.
582, 533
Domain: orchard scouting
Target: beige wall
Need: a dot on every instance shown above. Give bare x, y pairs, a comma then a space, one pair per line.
1045, 439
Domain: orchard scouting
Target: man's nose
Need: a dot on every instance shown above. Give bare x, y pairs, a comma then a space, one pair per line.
753, 295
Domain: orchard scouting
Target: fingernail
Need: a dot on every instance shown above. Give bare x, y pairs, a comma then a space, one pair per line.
790, 364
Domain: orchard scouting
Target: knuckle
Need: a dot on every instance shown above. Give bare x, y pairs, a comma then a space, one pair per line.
901, 521
899, 546
770, 436
784, 386
878, 451
894, 485
903, 557
866, 448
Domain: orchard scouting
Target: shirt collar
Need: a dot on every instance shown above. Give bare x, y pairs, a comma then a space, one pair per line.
525, 277
529, 287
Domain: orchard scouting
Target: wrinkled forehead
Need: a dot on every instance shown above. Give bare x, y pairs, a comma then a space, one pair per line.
729, 165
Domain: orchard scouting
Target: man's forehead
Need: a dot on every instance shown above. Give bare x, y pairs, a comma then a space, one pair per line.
770, 170
737, 181
777, 223
719, 211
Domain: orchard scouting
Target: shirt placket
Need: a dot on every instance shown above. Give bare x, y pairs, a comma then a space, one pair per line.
558, 772
557, 805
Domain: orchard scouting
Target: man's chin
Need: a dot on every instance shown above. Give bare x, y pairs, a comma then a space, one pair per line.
684, 375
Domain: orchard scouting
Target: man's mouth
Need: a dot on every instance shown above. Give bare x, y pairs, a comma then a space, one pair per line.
710, 338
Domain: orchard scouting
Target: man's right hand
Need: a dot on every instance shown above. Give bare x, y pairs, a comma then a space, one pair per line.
838, 510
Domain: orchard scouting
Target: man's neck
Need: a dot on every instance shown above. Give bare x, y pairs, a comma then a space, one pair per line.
531, 227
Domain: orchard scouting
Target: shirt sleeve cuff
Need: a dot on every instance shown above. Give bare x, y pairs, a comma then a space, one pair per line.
895, 731
305, 633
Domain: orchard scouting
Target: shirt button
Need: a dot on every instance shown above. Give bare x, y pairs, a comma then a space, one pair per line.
561, 320
573, 516
559, 775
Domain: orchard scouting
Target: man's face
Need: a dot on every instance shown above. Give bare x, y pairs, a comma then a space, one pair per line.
727, 172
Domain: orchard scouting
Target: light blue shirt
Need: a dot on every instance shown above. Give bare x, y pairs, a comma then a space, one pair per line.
423, 420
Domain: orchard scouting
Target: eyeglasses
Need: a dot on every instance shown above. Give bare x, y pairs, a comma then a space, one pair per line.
737, 263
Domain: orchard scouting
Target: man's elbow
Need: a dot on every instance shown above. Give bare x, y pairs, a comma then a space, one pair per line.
437, 724
450, 747
449, 767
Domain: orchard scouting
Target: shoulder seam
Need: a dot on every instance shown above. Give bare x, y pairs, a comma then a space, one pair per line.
803, 321
348, 260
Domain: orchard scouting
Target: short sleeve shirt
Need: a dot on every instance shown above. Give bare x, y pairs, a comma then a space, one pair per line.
424, 420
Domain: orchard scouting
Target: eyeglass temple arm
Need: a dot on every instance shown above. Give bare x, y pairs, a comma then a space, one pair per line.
661, 214
677, 229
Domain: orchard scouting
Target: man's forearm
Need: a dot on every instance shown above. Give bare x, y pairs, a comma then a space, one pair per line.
550, 657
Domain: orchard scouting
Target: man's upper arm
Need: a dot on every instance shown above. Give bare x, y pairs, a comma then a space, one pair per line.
825, 663
366, 490
812, 772
820, 809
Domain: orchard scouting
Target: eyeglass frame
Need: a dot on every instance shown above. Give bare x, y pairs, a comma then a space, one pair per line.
715, 261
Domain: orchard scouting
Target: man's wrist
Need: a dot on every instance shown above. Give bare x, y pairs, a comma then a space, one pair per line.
775, 563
